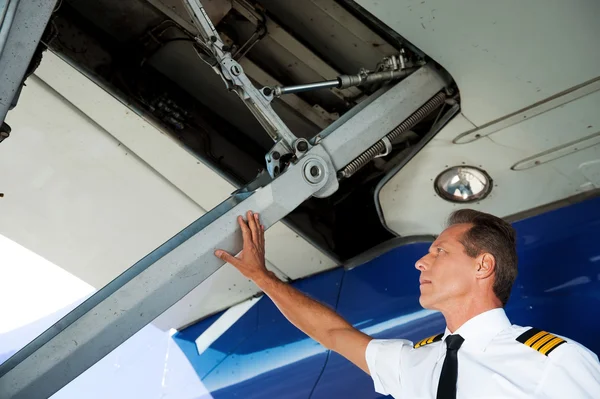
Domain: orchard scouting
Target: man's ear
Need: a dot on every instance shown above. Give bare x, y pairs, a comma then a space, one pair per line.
486, 264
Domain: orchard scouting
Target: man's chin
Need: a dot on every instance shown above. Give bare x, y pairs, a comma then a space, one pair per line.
427, 303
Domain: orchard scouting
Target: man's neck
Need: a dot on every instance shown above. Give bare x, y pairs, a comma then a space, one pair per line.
460, 314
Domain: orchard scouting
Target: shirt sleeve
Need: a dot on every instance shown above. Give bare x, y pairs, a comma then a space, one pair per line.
384, 359
573, 372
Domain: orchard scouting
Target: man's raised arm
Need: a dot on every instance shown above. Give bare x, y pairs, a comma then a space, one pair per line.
313, 318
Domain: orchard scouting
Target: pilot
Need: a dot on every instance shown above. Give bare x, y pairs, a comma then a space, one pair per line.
467, 275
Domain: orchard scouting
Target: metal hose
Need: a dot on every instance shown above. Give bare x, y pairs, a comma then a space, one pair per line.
379, 147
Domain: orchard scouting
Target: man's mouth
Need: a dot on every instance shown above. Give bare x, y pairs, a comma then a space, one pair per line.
423, 281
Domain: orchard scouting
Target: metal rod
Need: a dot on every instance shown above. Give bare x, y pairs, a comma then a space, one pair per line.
345, 81
306, 87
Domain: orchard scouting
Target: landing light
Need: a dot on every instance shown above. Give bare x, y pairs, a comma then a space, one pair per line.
463, 184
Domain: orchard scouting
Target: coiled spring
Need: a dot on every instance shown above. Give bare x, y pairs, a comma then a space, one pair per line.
379, 147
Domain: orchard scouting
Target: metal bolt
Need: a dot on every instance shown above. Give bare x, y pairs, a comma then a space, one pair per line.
267, 91
276, 155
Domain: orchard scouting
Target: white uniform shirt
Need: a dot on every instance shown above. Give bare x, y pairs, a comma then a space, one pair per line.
491, 364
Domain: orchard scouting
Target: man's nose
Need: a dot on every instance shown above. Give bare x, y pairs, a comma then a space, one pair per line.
421, 264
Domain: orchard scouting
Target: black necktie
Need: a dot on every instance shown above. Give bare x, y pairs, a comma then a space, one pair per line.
447, 385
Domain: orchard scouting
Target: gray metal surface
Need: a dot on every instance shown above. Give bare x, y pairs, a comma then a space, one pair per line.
166, 275
341, 39
149, 287
23, 22
382, 115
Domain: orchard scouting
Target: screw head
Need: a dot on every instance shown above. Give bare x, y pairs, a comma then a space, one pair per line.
276, 155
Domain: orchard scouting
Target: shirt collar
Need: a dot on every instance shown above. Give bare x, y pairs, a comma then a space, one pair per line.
479, 331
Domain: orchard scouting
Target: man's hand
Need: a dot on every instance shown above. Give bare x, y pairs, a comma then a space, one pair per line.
315, 319
251, 261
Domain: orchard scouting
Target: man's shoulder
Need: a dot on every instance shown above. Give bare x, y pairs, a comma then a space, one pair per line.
389, 343
422, 344
549, 345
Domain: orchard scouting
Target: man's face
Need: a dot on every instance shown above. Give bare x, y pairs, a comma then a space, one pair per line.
447, 272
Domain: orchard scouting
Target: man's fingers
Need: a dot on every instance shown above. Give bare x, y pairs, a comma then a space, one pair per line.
260, 231
246, 235
253, 227
227, 257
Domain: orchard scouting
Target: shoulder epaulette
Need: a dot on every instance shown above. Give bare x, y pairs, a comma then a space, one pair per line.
541, 341
429, 340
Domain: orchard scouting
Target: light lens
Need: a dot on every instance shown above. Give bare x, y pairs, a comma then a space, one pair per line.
463, 184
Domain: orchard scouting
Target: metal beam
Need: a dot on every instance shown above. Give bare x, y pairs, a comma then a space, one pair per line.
162, 278
148, 288
22, 23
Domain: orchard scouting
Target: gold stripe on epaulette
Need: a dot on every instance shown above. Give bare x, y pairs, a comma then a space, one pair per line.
537, 336
427, 341
541, 341
545, 350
